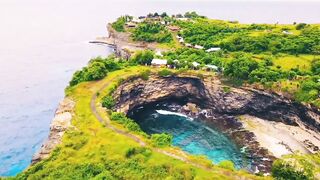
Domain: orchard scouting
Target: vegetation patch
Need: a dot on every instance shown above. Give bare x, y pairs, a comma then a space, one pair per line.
108, 102
161, 140
152, 32
165, 73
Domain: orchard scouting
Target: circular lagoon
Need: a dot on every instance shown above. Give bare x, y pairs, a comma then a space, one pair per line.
191, 135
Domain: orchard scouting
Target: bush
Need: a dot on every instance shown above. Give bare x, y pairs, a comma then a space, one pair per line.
152, 32
315, 66
161, 140
292, 169
240, 68
227, 165
138, 150
108, 102
97, 69
143, 57
226, 89
165, 73
119, 24
130, 124
300, 26
145, 75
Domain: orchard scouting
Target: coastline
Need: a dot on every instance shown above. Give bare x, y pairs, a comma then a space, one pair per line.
59, 124
63, 116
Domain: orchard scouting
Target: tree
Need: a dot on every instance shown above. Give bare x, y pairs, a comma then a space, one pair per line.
143, 57
240, 68
118, 25
300, 26
315, 66
164, 14
95, 71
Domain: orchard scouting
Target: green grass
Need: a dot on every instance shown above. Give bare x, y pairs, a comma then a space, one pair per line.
287, 62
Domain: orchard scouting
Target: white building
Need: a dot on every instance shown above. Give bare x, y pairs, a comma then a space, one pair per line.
212, 67
158, 53
159, 62
213, 49
136, 20
182, 19
286, 32
198, 47
195, 64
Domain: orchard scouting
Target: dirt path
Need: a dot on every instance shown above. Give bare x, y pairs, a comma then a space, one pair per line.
106, 121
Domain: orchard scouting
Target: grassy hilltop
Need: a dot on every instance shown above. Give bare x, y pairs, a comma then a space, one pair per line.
282, 57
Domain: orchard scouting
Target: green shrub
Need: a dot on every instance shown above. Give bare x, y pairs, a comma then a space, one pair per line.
138, 150
152, 32
97, 69
145, 74
118, 25
143, 57
130, 124
227, 165
292, 169
108, 102
161, 140
240, 68
226, 89
165, 73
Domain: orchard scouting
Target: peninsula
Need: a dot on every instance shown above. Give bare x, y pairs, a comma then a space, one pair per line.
253, 86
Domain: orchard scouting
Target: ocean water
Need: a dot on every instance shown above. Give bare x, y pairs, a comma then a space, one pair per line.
192, 135
42, 42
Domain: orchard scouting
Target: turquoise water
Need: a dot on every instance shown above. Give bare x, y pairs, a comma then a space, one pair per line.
192, 136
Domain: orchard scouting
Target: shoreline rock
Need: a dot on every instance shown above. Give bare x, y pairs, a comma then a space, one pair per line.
60, 123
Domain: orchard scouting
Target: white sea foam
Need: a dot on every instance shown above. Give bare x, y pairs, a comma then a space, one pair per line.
164, 112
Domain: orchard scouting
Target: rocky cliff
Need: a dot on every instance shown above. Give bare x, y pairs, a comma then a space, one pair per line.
220, 105
60, 123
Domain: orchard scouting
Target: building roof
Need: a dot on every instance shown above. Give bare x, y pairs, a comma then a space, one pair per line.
131, 24
195, 64
159, 62
213, 49
212, 66
136, 20
198, 47
173, 28
286, 32
158, 53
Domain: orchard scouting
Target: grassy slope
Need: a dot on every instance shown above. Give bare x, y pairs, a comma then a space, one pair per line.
287, 62
90, 149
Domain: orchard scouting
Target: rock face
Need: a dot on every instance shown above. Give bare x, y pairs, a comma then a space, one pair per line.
60, 123
208, 99
212, 95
